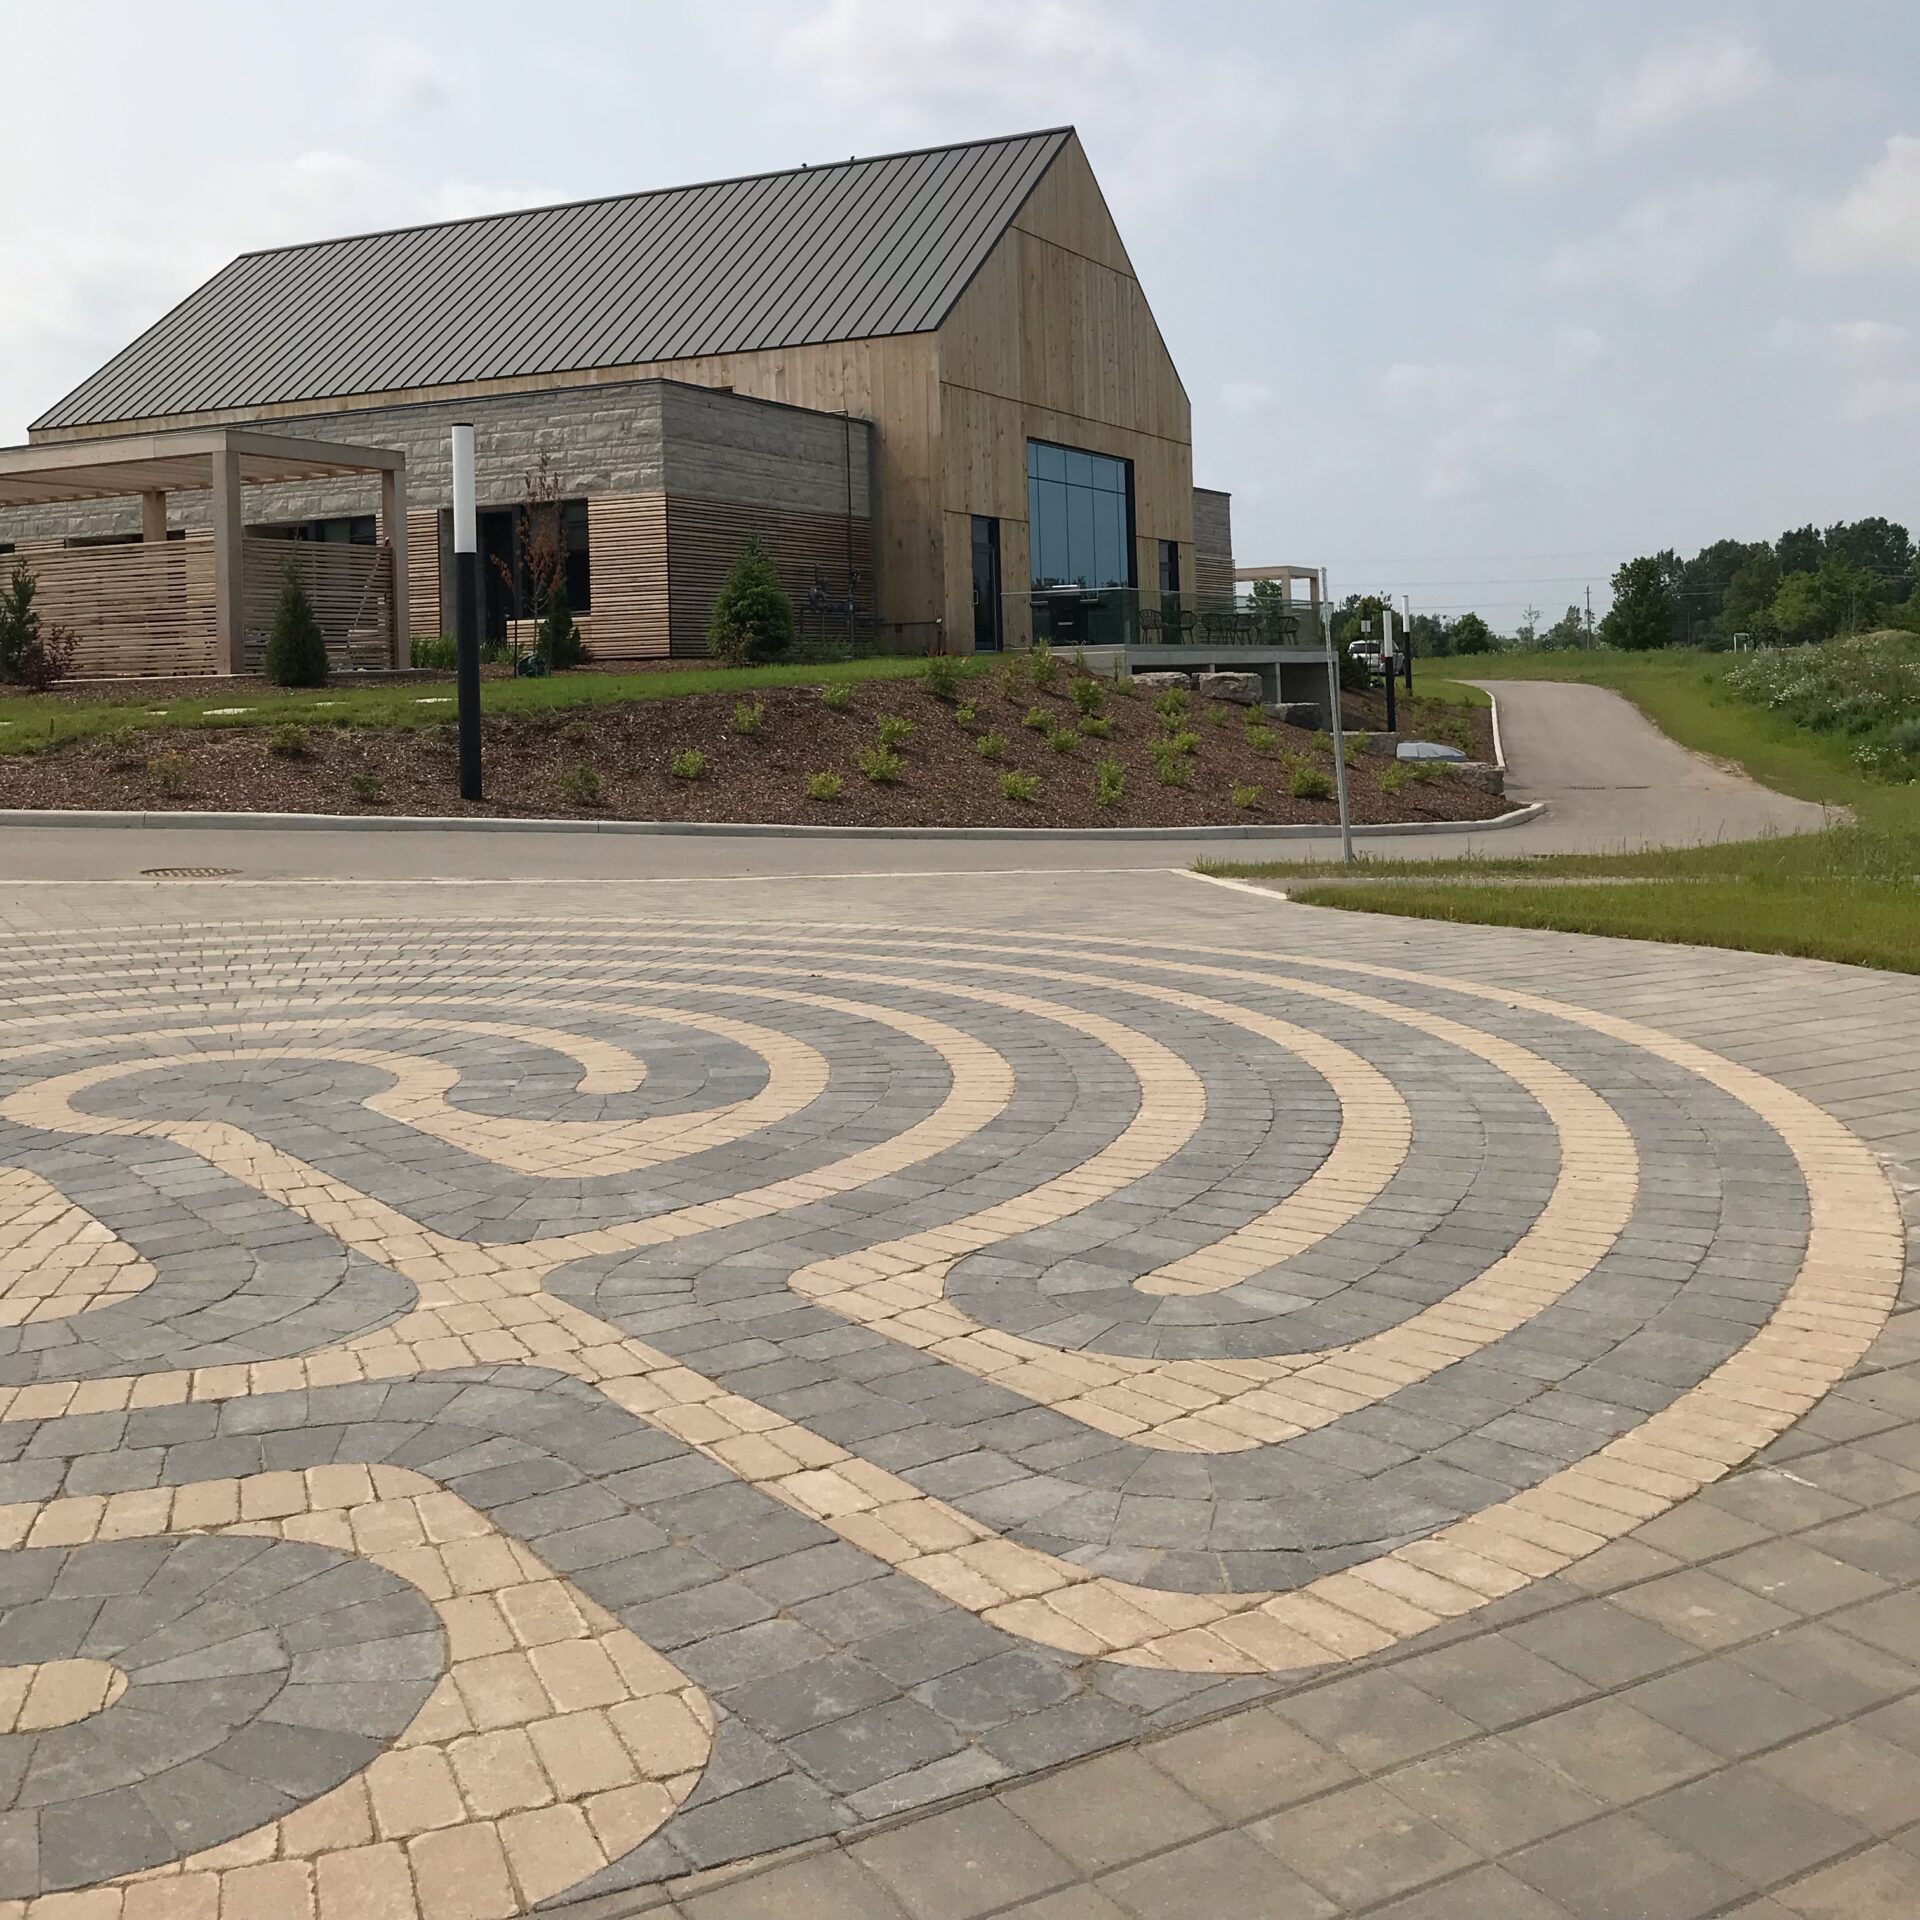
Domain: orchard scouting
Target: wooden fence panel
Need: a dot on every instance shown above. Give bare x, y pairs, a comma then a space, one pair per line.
704, 538
350, 586
423, 574
139, 609
627, 548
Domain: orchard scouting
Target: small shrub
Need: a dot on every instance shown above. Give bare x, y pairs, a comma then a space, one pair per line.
941, 677
1123, 685
364, 787
441, 654
837, 696
560, 644
749, 716
296, 648
581, 784
1174, 769
1172, 708
824, 786
991, 746
895, 729
1089, 695
1185, 742
1219, 714
123, 749
966, 713
1039, 719
1353, 746
881, 765
1041, 665
1246, 796
1064, 740
1096, 726
1020, 786
31, 655
289, 743
752, 620
688, 765
168, 772
1259, 737
1109, 783
1310, 783
1395, 777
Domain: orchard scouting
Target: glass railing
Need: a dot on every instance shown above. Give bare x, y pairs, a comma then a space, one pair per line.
1069, 617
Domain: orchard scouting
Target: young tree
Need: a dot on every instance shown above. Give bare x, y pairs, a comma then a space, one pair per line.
1471, 634
296, 648
1642, 615
1527, 633
752, 620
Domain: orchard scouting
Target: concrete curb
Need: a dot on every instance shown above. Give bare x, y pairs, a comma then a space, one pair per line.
719, 829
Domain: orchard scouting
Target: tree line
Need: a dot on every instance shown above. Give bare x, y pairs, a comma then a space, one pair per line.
1810, 584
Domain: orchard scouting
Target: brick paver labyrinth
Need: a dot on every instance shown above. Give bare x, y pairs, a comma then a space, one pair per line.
493, 1412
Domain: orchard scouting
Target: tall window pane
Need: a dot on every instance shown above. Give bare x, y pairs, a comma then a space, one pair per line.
1077, 512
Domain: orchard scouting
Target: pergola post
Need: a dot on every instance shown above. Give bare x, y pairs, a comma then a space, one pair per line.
153, 516
229, 564
393, 530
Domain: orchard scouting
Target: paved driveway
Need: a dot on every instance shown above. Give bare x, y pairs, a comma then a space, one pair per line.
1058, 1395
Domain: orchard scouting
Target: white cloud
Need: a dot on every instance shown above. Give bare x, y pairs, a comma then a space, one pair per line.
1875, 224
1668, 240
1870, 400
1248, 396
1682, 83
400, 79
1574, 349
1165, 108
1871, 336
1526, 157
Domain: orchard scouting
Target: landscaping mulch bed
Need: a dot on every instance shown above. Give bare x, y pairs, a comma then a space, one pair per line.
550, 763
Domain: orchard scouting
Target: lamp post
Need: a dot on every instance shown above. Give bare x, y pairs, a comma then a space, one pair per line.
1339, 733
1387, 661
466, 611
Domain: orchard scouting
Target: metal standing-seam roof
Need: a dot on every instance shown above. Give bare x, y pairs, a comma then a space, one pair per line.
857, 250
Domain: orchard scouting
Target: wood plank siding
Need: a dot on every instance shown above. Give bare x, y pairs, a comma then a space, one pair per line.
423, 574
704, 538
627, 547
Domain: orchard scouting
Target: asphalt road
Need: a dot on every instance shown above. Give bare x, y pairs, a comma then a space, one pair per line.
1610, 780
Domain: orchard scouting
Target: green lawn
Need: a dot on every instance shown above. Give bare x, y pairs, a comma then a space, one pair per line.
1850, 893
29, 723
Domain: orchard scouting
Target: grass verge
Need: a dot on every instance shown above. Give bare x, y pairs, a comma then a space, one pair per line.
31, 723
1851, 893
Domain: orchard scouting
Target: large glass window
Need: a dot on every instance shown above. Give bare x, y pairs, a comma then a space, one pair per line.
1079, 517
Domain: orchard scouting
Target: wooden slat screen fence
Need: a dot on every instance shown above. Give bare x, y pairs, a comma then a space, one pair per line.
704, 538
349, 584
142, 608
423, 574
627, 544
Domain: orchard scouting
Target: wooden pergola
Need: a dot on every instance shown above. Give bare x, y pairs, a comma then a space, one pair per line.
222, 461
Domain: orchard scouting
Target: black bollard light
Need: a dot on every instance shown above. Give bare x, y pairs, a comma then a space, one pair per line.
466, 611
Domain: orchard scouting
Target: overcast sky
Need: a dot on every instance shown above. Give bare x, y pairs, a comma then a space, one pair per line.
1471, 299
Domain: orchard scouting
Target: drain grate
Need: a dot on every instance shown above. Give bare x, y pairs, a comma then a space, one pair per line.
188, 873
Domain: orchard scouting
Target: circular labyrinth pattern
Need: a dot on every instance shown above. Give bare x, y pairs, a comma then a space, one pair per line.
780, 1375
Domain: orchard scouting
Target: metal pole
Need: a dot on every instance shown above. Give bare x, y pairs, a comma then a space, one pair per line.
1339, 733
466, 611
1406, 634
1388, 661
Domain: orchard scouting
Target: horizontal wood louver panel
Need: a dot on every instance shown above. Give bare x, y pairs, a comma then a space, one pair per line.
423, 574
704, 538
350, 585
627, 550
134, 610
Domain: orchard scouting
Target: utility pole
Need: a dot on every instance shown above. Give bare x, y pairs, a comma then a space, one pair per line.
1589, 616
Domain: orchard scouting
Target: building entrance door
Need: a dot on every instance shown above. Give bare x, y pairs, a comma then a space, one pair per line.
987, 629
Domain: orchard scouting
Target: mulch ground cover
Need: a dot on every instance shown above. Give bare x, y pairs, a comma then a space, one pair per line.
616, 761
